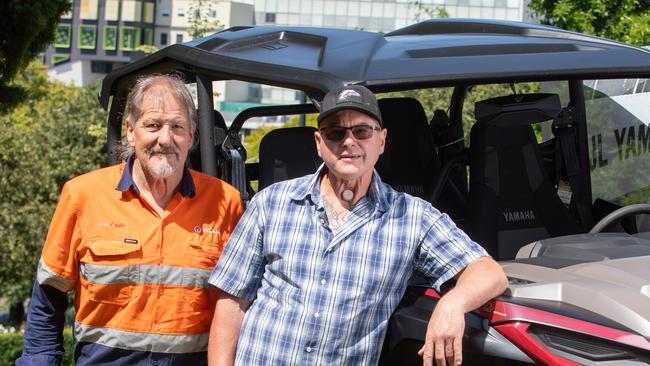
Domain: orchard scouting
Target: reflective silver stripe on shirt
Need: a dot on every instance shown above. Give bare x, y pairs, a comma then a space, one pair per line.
145, 274
146, 342
45, 276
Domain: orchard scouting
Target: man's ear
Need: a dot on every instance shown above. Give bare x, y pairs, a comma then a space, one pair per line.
382, 140
319, 140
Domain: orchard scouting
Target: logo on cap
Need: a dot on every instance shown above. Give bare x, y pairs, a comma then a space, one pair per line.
348, 94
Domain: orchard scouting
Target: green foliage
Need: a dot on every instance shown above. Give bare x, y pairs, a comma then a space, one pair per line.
11, 346
425, 11
57, 133
199, 18
622, 20
147, 49
36, 20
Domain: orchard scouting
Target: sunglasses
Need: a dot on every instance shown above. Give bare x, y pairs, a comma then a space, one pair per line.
338, 133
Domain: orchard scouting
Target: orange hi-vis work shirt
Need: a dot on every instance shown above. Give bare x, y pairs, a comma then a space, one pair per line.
141, 279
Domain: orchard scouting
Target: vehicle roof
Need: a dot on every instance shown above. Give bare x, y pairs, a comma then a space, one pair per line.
436, 52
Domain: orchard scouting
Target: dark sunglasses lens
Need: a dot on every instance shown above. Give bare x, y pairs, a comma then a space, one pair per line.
335, 133
362, 132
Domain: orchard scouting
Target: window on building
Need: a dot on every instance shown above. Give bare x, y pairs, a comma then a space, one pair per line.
181, 12
129, 38
87, 36
179, 38
163, 39
62, 36
100, 67
254, 92
213, 13
269, 18
110, 37
58, 58
147, 13
88, 9
112, 10
148, 36
131, 11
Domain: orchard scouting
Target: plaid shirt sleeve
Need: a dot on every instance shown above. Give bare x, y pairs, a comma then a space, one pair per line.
240, 267
444, 250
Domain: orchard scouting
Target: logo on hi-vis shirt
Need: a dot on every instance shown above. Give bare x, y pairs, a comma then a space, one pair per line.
206, 230
111, 224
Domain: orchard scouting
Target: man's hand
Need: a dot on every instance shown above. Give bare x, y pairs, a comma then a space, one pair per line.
444, 339
479, 282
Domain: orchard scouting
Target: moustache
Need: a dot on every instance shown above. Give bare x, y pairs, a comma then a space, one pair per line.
162, 150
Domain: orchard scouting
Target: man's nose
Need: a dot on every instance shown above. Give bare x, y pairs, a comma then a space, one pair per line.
349, 138
165, 135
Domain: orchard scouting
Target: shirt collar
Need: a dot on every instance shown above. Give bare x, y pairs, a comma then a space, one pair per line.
377, 192
187, 188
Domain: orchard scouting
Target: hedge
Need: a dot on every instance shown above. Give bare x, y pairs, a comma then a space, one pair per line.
11, 346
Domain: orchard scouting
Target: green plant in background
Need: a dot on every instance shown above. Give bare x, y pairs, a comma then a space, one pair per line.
622, 20
11, 347
57, 133
26, 28
199, 18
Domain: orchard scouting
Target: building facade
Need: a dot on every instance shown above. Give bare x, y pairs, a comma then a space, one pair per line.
100, 35
381, 15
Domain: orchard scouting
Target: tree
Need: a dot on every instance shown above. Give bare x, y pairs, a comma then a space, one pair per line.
424, 11
26, 28
622, 20
199, 19
56, 133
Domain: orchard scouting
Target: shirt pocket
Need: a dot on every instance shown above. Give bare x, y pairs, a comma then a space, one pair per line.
203, 254
201, 257
111, 269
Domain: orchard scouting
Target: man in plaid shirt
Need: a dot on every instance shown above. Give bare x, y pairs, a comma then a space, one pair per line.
317, 265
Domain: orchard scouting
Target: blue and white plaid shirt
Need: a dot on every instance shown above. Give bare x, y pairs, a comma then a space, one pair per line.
320, 298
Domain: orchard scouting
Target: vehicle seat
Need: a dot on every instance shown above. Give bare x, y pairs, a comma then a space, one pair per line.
287, 153
410, 162
512, 201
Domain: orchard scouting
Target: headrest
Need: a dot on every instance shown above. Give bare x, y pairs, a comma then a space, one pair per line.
287, 153
518, 109
402, 110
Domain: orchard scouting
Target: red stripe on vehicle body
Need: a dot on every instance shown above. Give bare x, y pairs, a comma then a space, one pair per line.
516, 332
500, 312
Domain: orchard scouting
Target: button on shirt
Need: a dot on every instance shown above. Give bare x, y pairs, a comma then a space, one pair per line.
322, 298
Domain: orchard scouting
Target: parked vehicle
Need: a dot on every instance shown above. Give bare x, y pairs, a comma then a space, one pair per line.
536, 142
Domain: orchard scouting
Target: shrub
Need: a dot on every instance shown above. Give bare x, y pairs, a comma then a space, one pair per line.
11, 346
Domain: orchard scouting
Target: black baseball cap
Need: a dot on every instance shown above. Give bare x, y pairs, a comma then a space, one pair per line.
355, 97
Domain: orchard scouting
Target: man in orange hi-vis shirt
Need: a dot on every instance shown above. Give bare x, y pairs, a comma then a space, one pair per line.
137, 242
